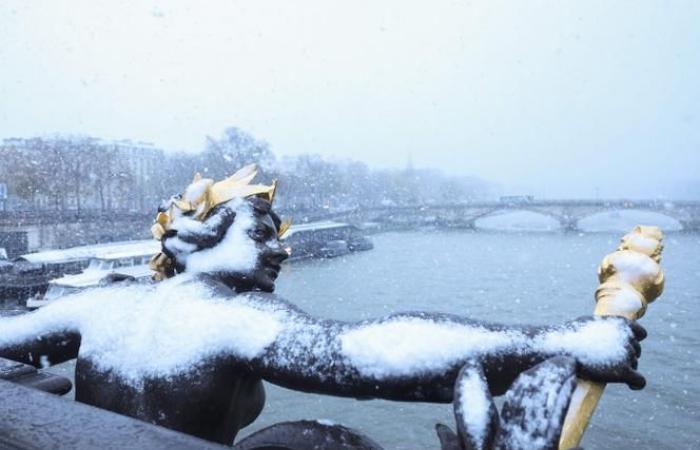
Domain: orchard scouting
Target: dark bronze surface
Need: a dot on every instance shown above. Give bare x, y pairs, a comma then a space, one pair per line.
36, 420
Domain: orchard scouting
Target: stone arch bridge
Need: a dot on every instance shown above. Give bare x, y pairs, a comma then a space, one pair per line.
21, 232
464, 215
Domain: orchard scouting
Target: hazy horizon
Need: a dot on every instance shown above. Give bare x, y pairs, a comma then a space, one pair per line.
545, 98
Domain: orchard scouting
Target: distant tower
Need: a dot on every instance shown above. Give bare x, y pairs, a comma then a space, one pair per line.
409, 163
411, 185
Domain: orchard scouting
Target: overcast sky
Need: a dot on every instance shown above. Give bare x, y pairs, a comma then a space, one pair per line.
552, 98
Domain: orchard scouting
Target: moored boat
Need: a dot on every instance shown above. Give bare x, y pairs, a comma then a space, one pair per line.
325, 239
29, 274
129, 263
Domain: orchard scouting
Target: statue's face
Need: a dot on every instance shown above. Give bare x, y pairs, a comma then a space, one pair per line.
271, 253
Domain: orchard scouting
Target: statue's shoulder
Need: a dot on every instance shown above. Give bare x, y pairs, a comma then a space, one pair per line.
270, 300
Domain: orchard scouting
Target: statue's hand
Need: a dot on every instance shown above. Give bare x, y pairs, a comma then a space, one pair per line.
533, 409
606, 348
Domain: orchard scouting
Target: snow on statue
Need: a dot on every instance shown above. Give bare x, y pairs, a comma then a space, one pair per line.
189, 353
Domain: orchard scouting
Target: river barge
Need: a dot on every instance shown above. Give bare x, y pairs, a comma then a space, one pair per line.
325, 239
41, 278
29, 274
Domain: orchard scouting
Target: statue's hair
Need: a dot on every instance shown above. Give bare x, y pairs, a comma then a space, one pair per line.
190, 235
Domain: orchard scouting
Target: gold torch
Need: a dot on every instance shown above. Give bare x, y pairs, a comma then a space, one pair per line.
630, 279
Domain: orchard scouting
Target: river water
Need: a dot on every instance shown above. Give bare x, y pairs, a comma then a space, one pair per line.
532, 277
536, 278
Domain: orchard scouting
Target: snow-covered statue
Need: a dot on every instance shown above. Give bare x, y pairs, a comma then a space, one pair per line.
532, 416
189, 352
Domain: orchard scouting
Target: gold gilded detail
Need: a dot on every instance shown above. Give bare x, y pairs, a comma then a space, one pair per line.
284, 227
630, 278
642, 243
617, 298
200, 197
213, 194
161, 265
649, 231
637, 269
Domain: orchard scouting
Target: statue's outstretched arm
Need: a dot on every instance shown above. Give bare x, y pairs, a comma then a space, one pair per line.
417, 356
42, 338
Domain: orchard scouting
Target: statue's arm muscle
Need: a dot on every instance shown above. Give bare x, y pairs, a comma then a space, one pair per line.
417, 356
411, 356
38, 339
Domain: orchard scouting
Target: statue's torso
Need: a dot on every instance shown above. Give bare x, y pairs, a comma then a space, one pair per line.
212, 400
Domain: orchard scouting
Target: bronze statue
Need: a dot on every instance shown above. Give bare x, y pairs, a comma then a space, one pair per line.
531, 418
189, 353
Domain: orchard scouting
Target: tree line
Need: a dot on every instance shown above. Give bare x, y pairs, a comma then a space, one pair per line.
77, 173
63, 172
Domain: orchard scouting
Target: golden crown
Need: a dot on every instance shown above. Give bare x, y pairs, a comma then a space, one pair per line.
203, 194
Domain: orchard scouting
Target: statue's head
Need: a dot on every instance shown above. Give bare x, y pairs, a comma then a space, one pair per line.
226, 229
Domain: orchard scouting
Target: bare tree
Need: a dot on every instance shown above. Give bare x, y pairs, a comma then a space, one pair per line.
234, 149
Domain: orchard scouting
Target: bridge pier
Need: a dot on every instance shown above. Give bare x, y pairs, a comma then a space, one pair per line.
690, 225
569, 224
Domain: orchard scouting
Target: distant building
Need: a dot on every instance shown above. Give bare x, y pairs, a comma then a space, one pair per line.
142, 161
145, 163
3, 196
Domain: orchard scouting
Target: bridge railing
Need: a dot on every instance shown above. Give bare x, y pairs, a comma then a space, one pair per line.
67, 216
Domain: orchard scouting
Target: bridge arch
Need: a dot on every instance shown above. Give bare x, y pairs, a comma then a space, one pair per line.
620, 219
512, 219
670, 215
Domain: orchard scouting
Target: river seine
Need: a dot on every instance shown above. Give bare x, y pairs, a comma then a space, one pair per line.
528, 277
539, 278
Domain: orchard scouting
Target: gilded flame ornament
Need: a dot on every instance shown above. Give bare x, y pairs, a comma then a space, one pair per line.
630, 279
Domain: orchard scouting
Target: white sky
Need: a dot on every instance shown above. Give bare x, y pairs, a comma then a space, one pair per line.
554, 98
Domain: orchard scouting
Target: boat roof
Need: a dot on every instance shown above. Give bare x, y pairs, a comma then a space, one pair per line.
84, 252
149, 249
93, 277
316, 226
125, 249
